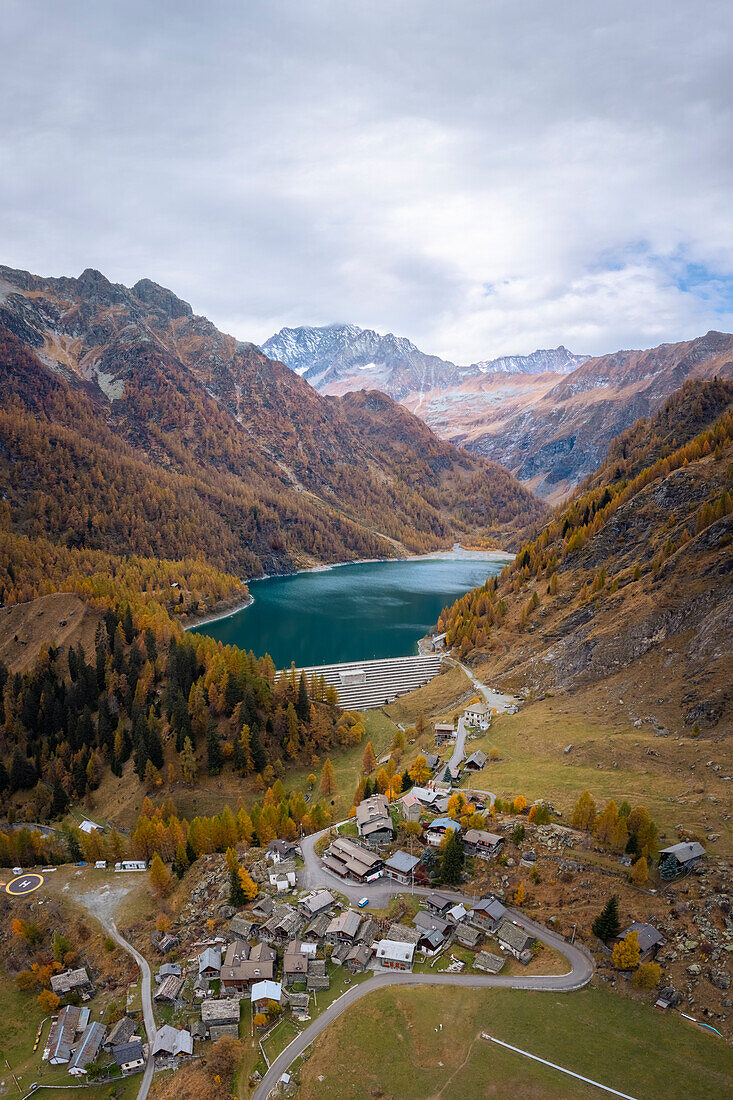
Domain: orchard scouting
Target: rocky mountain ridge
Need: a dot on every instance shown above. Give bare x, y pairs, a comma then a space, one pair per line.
130, 424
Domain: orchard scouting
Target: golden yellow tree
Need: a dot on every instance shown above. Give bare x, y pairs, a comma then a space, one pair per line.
328, 778
640, 872
419, 772
160, 879
626, 952
369, 760
519, 894
249, 886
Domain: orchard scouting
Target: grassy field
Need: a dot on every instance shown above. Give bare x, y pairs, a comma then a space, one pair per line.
611, 759
435, 1050
21, 1016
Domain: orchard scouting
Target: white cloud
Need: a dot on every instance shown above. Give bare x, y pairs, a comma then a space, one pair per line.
484, 178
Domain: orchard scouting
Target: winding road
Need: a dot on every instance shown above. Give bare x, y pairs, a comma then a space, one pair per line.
315, 876
147, 1003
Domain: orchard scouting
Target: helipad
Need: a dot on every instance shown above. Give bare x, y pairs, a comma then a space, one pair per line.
23, 884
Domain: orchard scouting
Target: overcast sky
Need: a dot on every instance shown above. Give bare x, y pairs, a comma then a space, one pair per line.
483, 177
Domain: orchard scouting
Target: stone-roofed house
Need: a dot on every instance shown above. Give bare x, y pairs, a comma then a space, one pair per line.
166, 970
401, 866
488, 914
278, 850
72, 981
344, 927
295, 964
367, 932
358, 958
284, 923
480, 843
340, 952
298, 1002
492, 964
210, 963
241, 928
467, 935
171, 1042
401, 933
120, 1034
221, 1017
515, 940
282, 876
130, 1057
316, 903
318, 978
650, 940
431, 760
411, 807
317, 928
168, 990
263, 909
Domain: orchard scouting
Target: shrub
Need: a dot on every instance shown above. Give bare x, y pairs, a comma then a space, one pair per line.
647, 976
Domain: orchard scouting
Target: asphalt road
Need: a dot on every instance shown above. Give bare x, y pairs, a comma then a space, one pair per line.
315, 876
147, 1002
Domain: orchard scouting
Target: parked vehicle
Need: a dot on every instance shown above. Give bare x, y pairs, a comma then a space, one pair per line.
363, 902
17, 870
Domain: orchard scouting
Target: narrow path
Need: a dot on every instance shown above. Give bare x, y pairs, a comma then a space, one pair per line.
147, 1003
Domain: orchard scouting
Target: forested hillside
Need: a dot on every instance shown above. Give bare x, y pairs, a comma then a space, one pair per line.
636, 568
130, 426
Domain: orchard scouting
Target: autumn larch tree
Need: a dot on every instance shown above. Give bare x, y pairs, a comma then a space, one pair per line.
369, 760
328, 778
584, 812
249, 886
420, 772
160, 879
626, 952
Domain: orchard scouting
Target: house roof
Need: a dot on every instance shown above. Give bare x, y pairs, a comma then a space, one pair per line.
360, 953
270, 991
439, 901
70, 979
492, 906
480, 836
167, 969
486, 961
400, 933
444, 823
345, 924
128, 1052
369, 808
434, 938
241, 926
168, 989
376, 825
294, 961
402, 862
262, 952
63, 1032
216, 1011
684, 851
236, 952
170, 1040
647, 935
478, 758
432, 760
477, 708
210, 957
427, 922
121, 1032
444, 727
425, 794
509, 934
317, 928
351, 857
318, 901
88, 1046
457, 913
395, 951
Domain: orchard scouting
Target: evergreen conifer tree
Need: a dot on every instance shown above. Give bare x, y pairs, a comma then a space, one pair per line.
607, 925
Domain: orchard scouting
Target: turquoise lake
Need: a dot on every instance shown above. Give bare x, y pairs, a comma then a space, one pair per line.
351, 612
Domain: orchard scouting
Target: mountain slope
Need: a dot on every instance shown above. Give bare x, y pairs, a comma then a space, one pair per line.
130, 425
632, 582
560, 438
